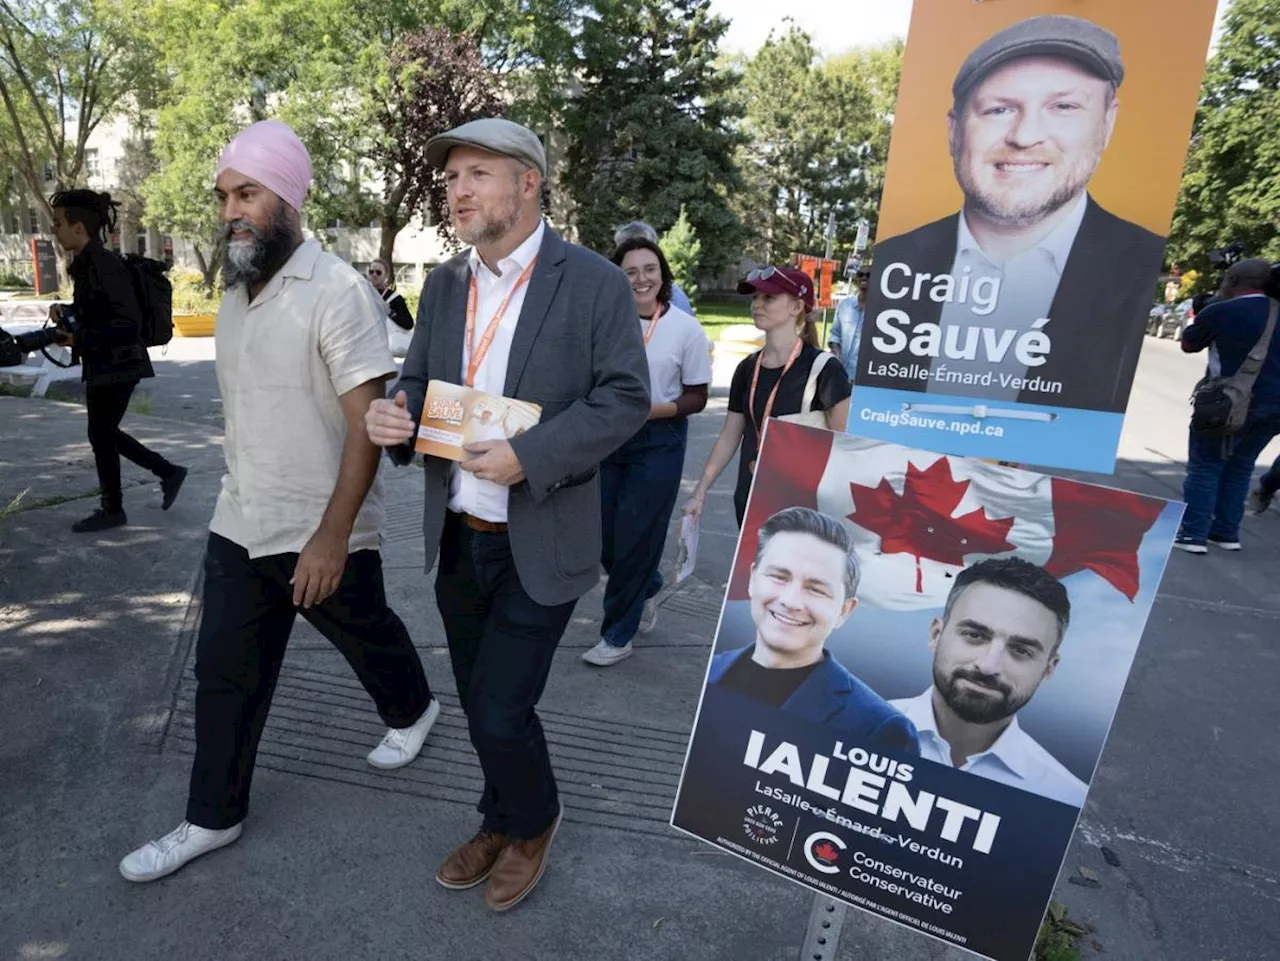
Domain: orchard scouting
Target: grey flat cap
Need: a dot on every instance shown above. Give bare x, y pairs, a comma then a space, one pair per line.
497, 136
1083, 42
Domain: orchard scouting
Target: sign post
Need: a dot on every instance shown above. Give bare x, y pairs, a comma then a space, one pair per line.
44, 262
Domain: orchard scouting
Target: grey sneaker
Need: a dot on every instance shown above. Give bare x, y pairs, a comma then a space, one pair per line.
186, 842
605, 654
649, 618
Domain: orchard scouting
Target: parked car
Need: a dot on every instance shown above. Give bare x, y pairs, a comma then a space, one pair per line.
1166, 321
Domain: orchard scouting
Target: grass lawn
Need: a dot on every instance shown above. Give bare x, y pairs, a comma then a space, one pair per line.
716, 315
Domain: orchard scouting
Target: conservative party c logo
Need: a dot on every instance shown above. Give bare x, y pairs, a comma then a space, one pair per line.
822, 851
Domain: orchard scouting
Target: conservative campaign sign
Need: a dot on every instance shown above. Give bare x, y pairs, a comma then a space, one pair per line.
917, 663
1036, 156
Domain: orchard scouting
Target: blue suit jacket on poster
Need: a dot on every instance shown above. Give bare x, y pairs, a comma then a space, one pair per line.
831, 695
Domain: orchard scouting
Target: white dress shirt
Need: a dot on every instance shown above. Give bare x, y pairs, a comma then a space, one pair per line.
1014, 759
467, 493
1028, 283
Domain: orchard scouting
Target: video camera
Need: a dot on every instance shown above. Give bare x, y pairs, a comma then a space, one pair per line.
1222, 258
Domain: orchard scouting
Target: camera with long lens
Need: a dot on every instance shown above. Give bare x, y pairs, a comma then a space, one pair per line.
35, 340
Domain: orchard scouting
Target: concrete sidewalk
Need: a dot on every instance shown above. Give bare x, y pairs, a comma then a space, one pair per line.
337, 859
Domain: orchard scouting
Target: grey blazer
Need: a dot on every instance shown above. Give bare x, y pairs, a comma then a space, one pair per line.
579, 353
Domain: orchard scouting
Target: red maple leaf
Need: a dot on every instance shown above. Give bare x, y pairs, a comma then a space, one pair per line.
919, 522
826, 851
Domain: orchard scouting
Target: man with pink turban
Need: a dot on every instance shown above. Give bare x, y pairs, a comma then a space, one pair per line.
301, 355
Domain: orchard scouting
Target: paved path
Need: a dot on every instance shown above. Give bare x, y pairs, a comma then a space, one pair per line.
337, 859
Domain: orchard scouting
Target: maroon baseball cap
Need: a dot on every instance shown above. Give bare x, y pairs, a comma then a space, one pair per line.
780, 280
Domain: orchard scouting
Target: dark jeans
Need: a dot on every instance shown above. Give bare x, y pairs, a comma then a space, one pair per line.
1270, 481
639, 485
107, 405
501, 642
248, 614
1218, 474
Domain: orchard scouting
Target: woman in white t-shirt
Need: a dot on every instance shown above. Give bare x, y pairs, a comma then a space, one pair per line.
639, 483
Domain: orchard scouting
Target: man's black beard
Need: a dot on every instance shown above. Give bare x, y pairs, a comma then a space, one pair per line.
974, 708
272, 247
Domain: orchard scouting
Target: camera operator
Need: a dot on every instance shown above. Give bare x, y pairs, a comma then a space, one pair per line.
1219, 468
103, 328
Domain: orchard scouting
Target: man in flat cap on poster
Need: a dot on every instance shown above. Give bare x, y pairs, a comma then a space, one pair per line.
515, 528
1033, 109
301, 353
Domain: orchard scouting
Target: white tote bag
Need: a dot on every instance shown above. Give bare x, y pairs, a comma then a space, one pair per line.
807, 415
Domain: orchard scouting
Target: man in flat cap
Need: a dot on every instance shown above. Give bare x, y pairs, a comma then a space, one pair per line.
1034, 107
516, 527
301, 354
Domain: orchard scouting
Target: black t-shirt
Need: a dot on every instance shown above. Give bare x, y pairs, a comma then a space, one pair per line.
771, 685
833, 387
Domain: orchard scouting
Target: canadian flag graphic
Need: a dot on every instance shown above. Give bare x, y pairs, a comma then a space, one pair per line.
919, 518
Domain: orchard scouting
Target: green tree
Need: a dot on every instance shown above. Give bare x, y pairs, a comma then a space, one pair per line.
650, 132
65, 67
818, 137
683, 251
338, 71
1231, 186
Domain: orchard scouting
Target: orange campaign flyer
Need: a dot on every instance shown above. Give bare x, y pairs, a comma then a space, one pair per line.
454, 415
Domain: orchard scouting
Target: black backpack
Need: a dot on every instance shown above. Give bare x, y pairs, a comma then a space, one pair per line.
155, 297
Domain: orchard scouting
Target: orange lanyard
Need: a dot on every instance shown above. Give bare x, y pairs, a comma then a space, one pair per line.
773, 394
476, 353
657, 316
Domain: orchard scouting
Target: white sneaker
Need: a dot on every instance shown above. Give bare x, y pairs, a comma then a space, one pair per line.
402, 744
650, 615
186, 842
605, 654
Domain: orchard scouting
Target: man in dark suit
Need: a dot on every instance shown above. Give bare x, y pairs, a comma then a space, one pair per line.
804, 584
1034, 108
516, 527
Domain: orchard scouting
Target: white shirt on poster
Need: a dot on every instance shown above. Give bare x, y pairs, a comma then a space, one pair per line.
1028, 283
678, 354
469, 494
1015, 758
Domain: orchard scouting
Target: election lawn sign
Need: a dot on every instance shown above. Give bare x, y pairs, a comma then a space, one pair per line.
989, 599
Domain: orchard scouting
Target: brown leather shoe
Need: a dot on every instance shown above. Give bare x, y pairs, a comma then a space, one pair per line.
469, 864
519, 868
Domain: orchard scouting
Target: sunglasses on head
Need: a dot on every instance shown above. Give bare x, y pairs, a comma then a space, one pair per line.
770, 273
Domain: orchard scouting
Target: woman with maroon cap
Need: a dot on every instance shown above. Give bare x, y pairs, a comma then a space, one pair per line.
789, 376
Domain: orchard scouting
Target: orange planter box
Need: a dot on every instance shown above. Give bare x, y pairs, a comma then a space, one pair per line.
193, 325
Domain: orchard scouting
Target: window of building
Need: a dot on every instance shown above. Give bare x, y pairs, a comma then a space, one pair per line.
92, 163
33, 221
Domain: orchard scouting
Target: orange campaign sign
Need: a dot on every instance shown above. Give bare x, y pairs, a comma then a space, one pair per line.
823, 273
1037, 151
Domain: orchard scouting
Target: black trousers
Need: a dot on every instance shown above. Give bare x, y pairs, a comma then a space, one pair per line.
501, 643
107, 405
248, 615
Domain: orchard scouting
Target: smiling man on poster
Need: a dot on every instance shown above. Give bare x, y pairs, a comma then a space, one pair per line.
803, 587
997, 640
1036, 291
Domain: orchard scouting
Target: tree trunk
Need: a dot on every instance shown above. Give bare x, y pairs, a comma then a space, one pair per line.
389, 226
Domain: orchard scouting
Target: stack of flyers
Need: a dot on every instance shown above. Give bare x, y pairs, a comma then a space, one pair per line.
454, 415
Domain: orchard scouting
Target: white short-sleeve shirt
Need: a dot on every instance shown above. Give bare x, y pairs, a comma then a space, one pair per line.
314, 332
678, 353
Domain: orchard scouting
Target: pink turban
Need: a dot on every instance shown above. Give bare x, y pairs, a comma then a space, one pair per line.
271, 153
